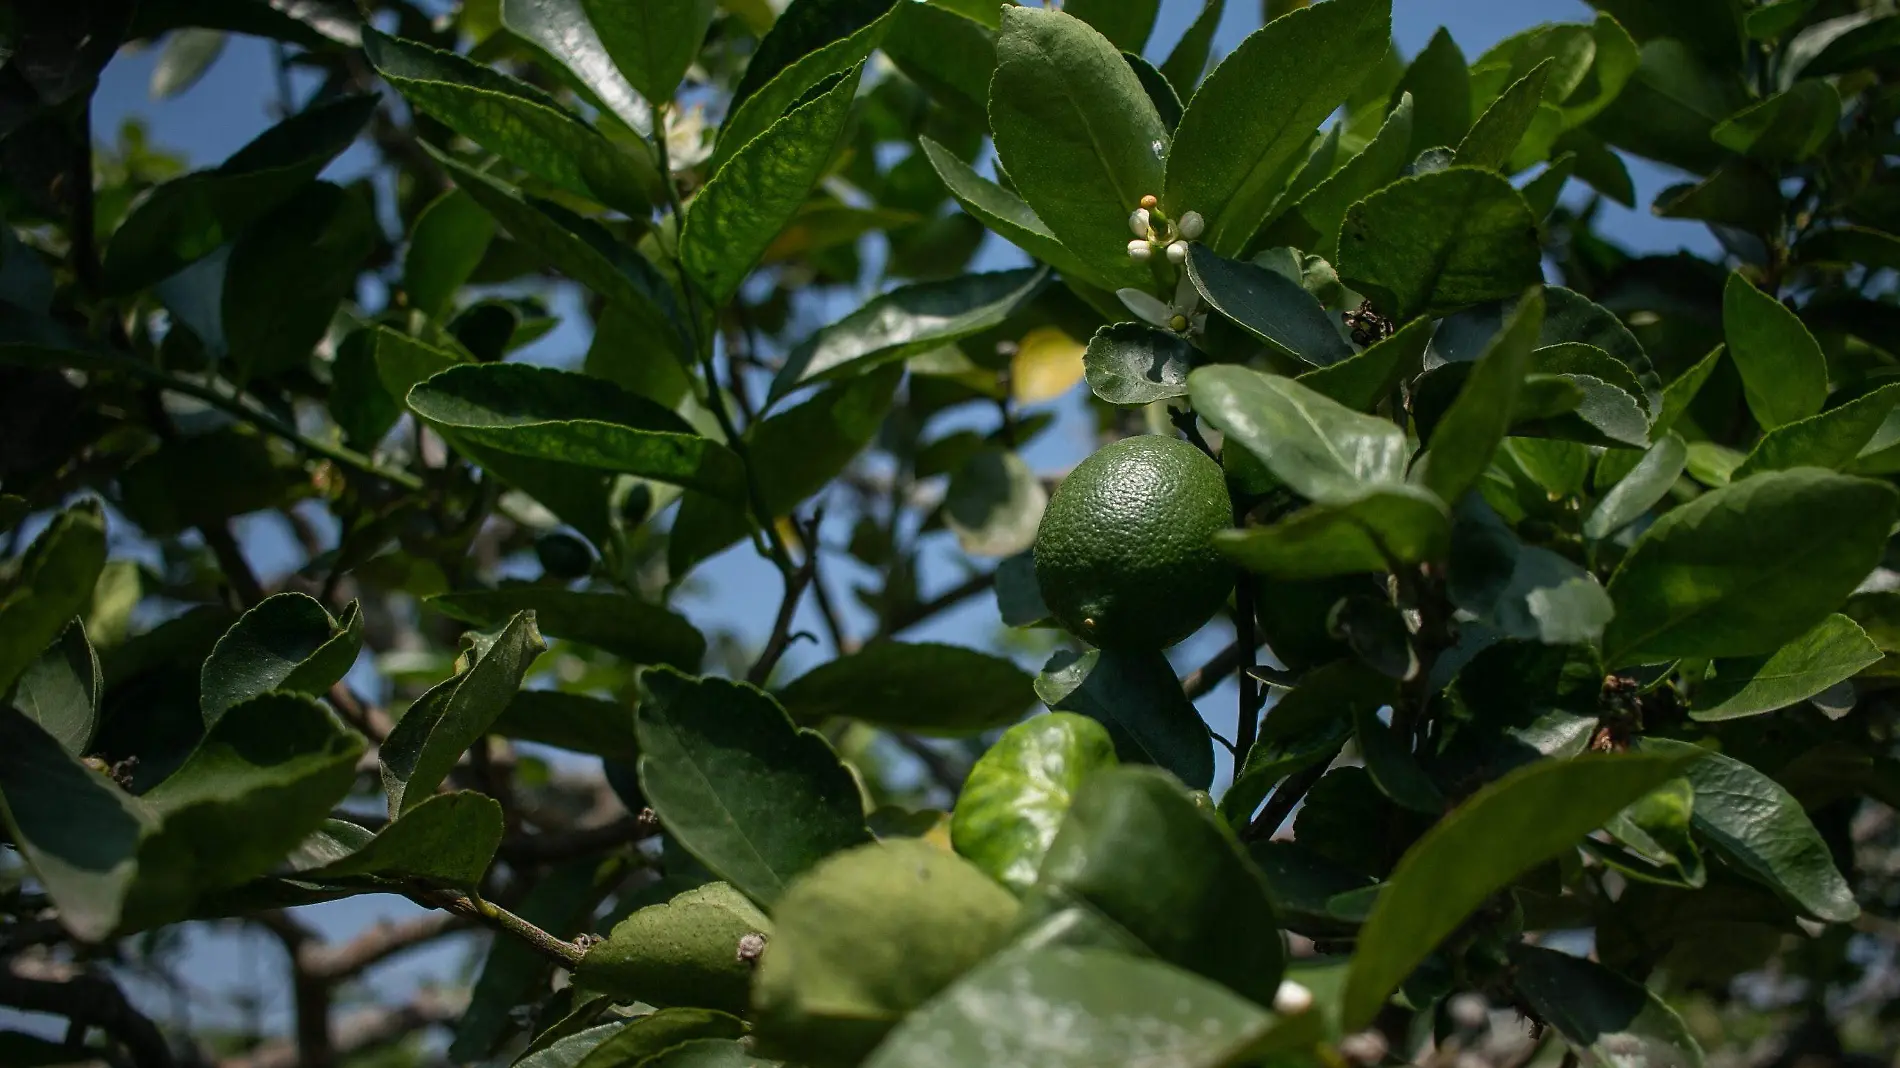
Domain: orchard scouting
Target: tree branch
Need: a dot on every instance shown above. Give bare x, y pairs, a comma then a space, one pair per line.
488, 914
91, 1000
1285, 798
334, 964
1202, 680
357, 1033
551, 848
904, 619
237, 570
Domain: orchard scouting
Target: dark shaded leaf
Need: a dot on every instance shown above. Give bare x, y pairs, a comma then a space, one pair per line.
935, 689
1136, 696
54, 584
432, 735
446, 838
287, 643
1268, 305
1438, 242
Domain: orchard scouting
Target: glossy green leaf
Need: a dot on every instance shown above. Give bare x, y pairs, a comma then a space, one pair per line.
757, 191
754, 798
1126, 23
1783, 371
572, 722
1831, 653
1269, 306
1127, 1012
682, 952
185, 58
1530, 816
1391, 526
1006, 213
1139, 851
915, 686
288, 642
286, 274
60, 691
1522, 590
585, 252
54, 584
804, 27
658, 1038
1134, 363
949, 52
905, 322
1606, 1016
517, 122
864, 938
447, 838
432, 735
446, 244
1759, 827
1326, 452
1832, 439
1439, 82
1366, 380
1470, 432
188, 218
1306, 726
1678, 395
1018, 792
1246, 130
1136, 696
1791, 125
1494, 138
1185, 64
1160, 93
545, 414
568, 31
1077, 134
1313, 222
1745, 569
994, 503
1438, 242
810, 43
632, 629
1642, 489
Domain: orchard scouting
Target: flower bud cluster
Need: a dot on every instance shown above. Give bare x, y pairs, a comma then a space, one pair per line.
1155, 232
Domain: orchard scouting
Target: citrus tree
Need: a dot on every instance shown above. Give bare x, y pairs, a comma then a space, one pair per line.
1549, 576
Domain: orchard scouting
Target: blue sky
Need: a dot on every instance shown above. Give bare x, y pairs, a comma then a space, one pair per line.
233, 103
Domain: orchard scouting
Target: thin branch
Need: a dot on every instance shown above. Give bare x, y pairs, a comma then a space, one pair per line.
333, 964
904, 619
1285, 798
358, 1033
1247, 721
942, 771
552, 848
796, 582
91, 1000
367, 718
237, 570
563, 953
841, 642
1203, 679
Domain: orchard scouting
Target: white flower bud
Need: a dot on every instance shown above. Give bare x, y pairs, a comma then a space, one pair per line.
1292, 998
1192, 225
1366, 1047
1177, 253
1469, 1011
1140, 222
1140, 251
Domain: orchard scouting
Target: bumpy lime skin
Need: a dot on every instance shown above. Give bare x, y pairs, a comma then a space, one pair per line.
1124, 556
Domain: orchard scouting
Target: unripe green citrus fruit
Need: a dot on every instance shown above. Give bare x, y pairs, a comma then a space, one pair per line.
1124, 556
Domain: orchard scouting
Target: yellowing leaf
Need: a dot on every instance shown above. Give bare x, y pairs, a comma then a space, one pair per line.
1047, 364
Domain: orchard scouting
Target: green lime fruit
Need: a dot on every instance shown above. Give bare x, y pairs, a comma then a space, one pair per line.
1125, 556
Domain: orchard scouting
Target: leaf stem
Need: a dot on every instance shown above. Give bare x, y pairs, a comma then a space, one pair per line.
472, 906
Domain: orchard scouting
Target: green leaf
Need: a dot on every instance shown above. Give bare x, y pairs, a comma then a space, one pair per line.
517, 122
567, 31
54, 584
1136, 696
1137, 850
1246, 130
1869, 44
994, 504
286, 275
813, 41
572, 722
915, 686
864, 938
1313, 223
656, 1038
756, 192
364, 411
754, 798
1122, 1012
287, 643
1184, 65
1440, 241
561, 902
188, 218
1078, 136
1642, 489
453, 714
1831, 653
1018, 597
1160, 93
1007, 214
1784, 374
187, 54
1740, 194
1268, 305
1392, 526
60, 691
1306, 726
547, 414
1470, 432
584, 251
683, 952
1832, 439
632, 629
1134, 363
1126, 23
264, 776
906, 321
804, 27
1326, 452
1677, 396
950, 54
1440, 82
75, 828
1016, 795
402, 362
1791, 125
1366, 380
1524, 591
1541, 192
1745, 569
569, 1051
1846, 245
447, 838
1533, 815
708, 1053
1651, 839
1759, 828
1494, 138
1389, 761
1608, 1017
446, 244
1517, 702
1669, 107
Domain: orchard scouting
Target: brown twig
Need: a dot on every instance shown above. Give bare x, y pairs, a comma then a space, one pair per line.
334, 964
367, 718
1203, 679
905, 618
942, 771
237, 570
91, 1000
552, 848
797, 580
1285, 798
